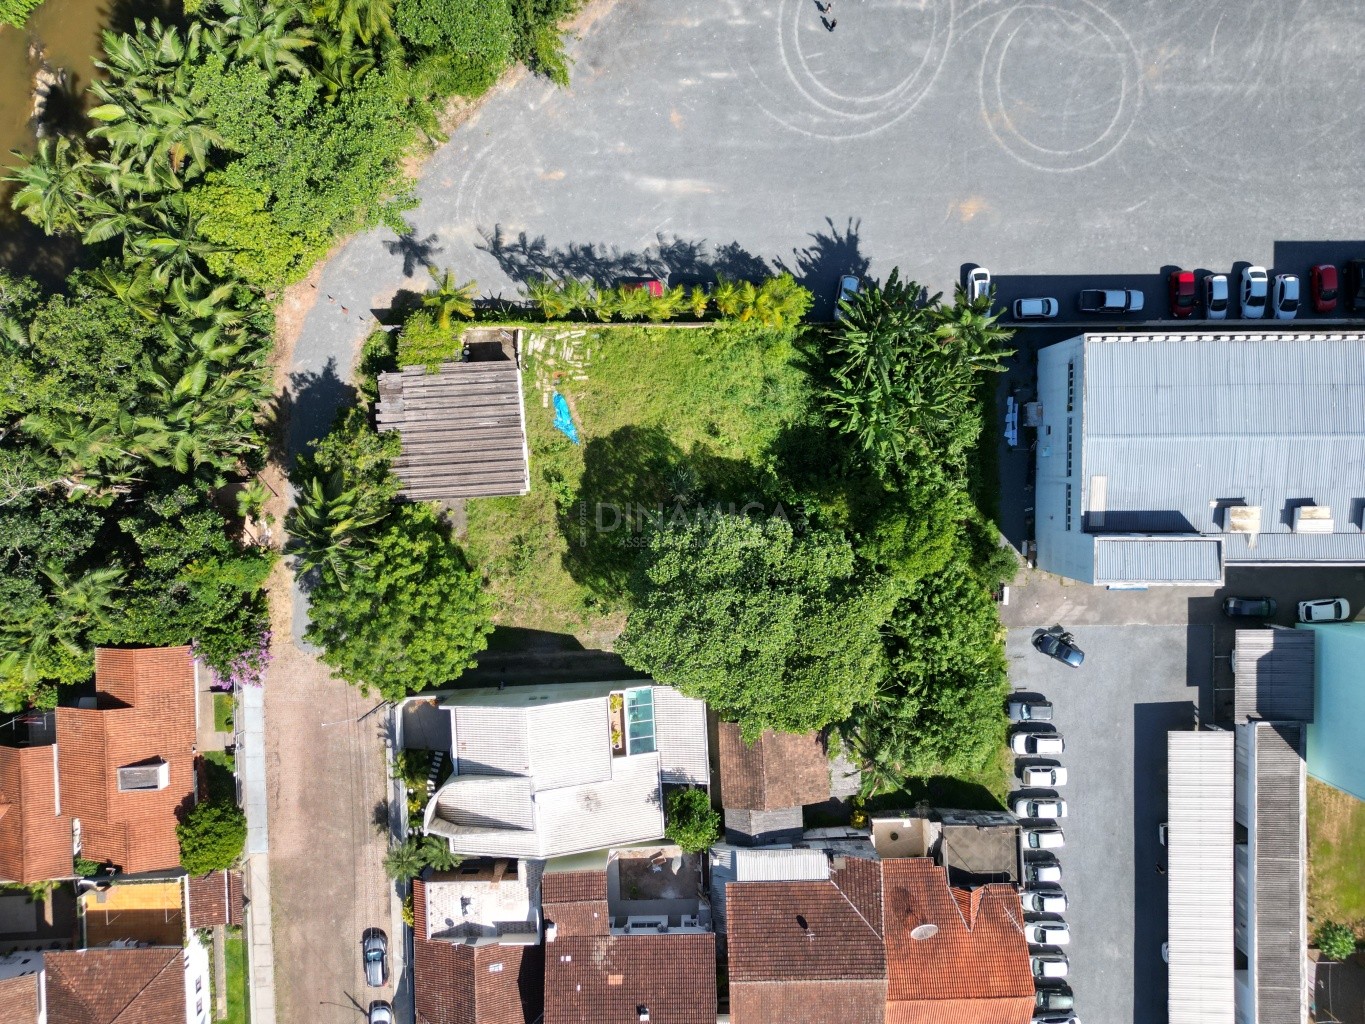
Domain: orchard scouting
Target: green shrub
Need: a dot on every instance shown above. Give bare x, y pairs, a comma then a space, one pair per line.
691, 821
212, 836
16, 12
1335, 940
86, 868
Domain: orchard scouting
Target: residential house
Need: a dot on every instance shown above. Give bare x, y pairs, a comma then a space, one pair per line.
214, 899
107, 778
856, 947
23, 998
477, 957
1163, 458
629, 944
765, 784
546, 771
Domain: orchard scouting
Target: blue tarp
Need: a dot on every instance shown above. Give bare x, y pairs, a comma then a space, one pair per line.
564, 419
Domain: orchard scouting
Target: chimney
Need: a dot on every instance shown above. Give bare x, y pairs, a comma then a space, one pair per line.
642, 1011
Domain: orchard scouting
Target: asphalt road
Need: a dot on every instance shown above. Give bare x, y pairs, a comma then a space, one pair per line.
1137, 683
1036, 138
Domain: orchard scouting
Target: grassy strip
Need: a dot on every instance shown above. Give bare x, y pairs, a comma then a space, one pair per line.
222, 712
1336, 853
235, 952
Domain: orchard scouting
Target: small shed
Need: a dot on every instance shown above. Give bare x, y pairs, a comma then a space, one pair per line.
463, 429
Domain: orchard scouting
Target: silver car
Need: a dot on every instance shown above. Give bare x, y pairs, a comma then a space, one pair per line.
374, 951
1216, 297
1285, 299
848, 287
1255, 285
380, 1013
978, 283
1035, 309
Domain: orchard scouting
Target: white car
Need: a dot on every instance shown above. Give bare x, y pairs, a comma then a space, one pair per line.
1047, 933
1048, 965
1326, 609
1216, 297
1043, 775
1285, 297
848, 287
1040, 807
1043, 901
380, 1013
1047, 871
1255, 284
1035, 743
978, 283
1035, 309
1043, 837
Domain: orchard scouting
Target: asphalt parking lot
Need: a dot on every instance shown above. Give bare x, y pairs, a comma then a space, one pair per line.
1137, 683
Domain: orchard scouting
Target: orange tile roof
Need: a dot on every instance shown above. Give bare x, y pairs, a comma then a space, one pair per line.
19, 998
779, 769
116, 986
215, 898
606, 979
575, 902
145, 711
35, 841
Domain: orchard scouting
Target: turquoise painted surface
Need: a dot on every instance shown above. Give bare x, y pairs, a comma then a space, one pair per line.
1336, 739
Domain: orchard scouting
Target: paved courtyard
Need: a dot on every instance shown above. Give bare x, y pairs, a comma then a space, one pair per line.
1137, 683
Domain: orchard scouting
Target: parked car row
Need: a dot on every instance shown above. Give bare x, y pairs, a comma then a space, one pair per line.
1041, 893
1323, 609
1258, 294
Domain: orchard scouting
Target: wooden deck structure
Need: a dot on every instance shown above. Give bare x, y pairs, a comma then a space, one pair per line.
463, 429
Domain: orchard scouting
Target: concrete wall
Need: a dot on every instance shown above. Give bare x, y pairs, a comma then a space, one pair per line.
1068, 552
1336, 737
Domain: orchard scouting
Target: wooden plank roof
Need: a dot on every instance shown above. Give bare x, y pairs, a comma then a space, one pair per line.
463, 429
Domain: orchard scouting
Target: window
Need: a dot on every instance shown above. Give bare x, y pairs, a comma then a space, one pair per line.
149, 775
1068, 446
640, 720
1068, 506
199, 984
1071, 386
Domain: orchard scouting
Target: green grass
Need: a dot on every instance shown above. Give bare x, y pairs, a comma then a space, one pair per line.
660, 412
235, 951
219, 767
222, 712
1336, 857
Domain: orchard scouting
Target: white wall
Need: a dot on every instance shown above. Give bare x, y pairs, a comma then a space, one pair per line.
198, 999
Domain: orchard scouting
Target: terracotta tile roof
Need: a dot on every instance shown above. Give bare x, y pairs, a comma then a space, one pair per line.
607, 979
145, 714
780, 769
459, 984
215, 898
809, 1002
797, 949
116, 986
19, 998
575, 902
978, 960
35, 841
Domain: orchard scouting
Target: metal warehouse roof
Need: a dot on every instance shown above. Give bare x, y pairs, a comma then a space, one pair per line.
1172, 560
1281, 892
1273, 672
1179, 426
1199, 847
463, 429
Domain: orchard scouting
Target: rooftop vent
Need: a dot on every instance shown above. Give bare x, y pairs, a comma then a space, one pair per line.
642, 1011
924, 931
1313, 519
1242, 519
149, 776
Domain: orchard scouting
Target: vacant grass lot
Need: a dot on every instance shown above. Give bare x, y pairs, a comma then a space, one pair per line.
1336, 857
661, 413
234, 949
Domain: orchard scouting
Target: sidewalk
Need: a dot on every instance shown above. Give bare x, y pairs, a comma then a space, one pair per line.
251, 764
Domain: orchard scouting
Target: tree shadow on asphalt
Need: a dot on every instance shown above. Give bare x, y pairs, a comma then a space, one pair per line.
673, 260
413, 251
829, 257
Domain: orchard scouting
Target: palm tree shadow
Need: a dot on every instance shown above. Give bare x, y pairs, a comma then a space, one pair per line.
829, 257
413, 251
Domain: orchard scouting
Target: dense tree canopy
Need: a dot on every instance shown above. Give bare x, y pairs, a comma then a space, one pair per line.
772, 629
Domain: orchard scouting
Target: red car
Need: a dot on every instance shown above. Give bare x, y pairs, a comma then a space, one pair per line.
653, 285
1182, 293
1322, 285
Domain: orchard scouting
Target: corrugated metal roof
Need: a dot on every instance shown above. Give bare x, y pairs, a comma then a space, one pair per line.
1173, 560
1187, 423
463, 429
1273, 671
780, 865
1281, 893
680, 737
1199, 850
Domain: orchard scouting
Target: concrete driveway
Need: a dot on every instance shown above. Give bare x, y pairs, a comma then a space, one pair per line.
1093, 137
1137, 683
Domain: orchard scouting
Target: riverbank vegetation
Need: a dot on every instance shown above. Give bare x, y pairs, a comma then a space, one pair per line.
228, 152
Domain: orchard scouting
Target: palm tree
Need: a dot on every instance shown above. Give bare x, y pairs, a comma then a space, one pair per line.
436, 854
634, 303
107, 221
169, 137
54, 185
88, 599
134, 290
698, 300
726, 296
341, 65
548, 296
326, 522
366, 21
449, 299
176, 248
404, 862
267, 34
578, 294
668, 305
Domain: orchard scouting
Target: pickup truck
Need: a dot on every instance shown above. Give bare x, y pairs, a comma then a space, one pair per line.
1110, 300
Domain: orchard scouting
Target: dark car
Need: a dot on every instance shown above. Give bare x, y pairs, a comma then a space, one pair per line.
1109, 300
1322, 286
1062, 647
1182, 289
374, 951
1248, 607
1355, 285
